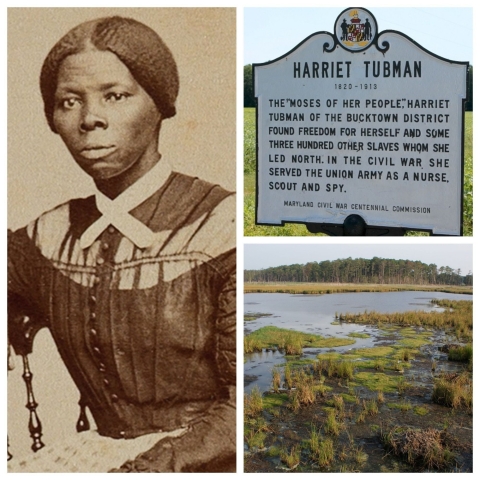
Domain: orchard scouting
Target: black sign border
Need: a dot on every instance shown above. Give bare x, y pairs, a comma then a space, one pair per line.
333, 228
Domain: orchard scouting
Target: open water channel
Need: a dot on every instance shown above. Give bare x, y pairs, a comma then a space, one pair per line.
315, 314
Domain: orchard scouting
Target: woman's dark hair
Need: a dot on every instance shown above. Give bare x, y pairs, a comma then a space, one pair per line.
140, 48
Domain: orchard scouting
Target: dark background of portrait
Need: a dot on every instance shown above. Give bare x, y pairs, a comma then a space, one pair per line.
200, 141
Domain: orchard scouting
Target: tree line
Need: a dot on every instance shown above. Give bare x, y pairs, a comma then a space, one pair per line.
362, 270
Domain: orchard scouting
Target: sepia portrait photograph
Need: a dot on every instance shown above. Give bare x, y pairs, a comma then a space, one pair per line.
121, 240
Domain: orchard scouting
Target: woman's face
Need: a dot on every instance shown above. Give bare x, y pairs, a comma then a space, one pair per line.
108, 122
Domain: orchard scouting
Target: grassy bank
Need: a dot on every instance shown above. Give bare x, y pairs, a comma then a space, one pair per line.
250, 229
326, 288
289, 341
456, 318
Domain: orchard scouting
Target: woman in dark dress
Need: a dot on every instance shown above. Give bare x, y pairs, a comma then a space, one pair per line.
136, 283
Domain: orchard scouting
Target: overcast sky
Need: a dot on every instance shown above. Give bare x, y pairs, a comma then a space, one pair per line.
446, 255
272, 32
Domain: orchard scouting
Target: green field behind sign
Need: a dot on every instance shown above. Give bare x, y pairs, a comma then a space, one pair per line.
291, 229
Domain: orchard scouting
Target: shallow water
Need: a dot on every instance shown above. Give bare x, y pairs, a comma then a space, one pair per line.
315, 313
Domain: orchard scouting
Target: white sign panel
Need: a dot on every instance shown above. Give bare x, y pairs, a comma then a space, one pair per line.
362, 123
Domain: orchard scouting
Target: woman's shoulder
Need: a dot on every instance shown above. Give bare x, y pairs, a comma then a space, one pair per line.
54, 224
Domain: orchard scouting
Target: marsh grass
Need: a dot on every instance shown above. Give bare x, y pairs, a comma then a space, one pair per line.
332, 426
338, 403
291, 458
312, 288
454, 390
456, 317
289, 341
427, 449
255, 432
305, 389
358, 335
335, 367
251, 344
375, 381
287, 372
370, 407
273, 451
361, 417
276, 380
322, 450
272, 402
402, 385
255, 438
406, 355
253, 403
422, 411
358, 455
461, 354
403, 406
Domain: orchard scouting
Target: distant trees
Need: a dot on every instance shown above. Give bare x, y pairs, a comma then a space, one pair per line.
248, 95
361, 270
469, 102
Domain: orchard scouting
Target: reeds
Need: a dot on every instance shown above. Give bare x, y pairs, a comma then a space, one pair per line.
321, 450
332, 426
291, 458
276, 380
332, 367
328, 288
454, 390
251, 344
461, 354
305, 391
287, 372
253, 403
457, 316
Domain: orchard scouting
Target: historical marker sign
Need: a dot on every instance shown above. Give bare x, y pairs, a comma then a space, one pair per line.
361, 123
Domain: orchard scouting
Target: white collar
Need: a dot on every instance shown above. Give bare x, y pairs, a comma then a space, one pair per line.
116, 212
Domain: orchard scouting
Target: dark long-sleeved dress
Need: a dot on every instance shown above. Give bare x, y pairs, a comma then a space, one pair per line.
148, 335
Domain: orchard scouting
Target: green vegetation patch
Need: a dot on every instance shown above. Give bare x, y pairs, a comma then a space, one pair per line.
374, 352
273, 451
294, 361
330, 356
332, 342
255, 432
403, 406
273, 401
248, 317
422, 411
358, 335
461, 354
454, 390
348, 398
412, 332
411, 342
292, 341
457, 317
377, 381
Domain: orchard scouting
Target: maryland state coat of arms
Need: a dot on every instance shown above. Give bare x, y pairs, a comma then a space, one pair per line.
356, 29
